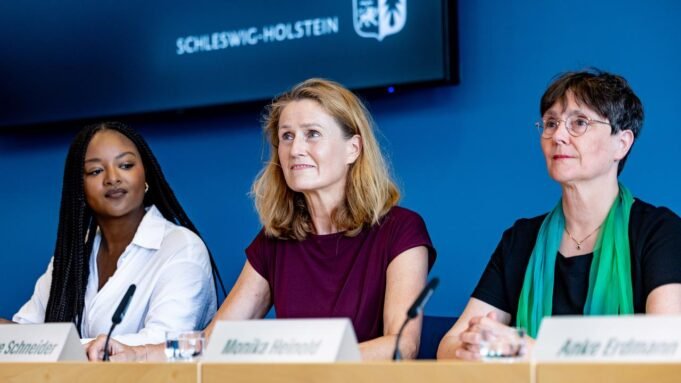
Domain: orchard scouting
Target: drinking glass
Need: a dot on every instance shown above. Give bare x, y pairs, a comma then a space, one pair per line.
184, 346
507, 344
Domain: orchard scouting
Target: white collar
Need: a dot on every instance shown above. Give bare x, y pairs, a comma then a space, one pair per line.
151, 230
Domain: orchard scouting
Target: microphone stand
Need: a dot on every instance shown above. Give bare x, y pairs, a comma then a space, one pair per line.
415, 309
397, 355
106, 343
118, 317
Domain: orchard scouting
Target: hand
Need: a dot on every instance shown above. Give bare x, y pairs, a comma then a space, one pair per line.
499, 340
118, 352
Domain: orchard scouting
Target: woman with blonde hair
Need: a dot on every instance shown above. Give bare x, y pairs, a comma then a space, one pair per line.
334, 243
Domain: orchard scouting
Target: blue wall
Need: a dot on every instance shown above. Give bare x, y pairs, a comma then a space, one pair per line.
467, 156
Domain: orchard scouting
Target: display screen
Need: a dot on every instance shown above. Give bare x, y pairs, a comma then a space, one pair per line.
65, 60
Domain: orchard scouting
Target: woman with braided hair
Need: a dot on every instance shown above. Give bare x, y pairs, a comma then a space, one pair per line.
119, 224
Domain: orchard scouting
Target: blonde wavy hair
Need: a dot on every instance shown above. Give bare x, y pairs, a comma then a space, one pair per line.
369, 192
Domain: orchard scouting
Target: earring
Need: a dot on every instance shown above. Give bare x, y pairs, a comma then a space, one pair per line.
146, 187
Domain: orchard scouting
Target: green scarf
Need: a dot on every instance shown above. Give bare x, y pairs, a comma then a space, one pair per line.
610, 290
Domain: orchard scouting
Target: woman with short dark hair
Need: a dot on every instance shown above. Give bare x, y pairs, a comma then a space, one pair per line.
600, 251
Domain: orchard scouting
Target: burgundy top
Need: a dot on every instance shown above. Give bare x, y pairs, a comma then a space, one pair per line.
332, 275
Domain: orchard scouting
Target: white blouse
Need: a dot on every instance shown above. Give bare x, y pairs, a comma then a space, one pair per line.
172, 271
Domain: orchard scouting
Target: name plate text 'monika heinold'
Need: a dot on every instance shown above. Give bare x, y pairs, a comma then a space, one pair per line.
283, 340
633, 338
49, 342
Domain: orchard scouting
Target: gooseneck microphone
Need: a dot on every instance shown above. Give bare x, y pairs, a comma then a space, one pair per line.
118, 317
415, 309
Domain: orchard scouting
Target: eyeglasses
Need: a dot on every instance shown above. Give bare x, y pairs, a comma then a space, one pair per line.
576, 125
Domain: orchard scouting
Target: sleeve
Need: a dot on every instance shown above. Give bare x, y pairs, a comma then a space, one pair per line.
33, 311
661, 253
410, 231
183, 297
491, 286
256, 253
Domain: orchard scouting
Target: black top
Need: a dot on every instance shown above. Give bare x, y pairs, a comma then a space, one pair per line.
655, 245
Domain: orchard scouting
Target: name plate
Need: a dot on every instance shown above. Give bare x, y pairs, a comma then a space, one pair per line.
49, 342
633, 338
283, 340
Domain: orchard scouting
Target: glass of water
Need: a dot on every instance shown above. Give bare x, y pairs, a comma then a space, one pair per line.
506, 345
184, 346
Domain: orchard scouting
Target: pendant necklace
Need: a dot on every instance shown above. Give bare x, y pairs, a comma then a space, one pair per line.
579, 243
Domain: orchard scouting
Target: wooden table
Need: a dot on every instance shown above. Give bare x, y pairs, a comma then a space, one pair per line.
608, 372
77, 372
387, 372
411, 372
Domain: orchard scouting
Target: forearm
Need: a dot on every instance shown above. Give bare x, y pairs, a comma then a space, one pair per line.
6, 321
448, 347
382, 348
150, 353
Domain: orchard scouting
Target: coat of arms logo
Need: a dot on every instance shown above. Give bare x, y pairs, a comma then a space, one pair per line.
379, 18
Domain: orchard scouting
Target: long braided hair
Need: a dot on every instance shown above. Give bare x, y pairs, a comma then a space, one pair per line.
77, 226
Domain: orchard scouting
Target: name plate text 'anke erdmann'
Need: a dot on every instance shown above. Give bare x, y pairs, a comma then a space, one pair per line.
49, 342
283, 340
631, 338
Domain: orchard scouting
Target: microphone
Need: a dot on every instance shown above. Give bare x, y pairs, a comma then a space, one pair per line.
414, 311
118, 317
